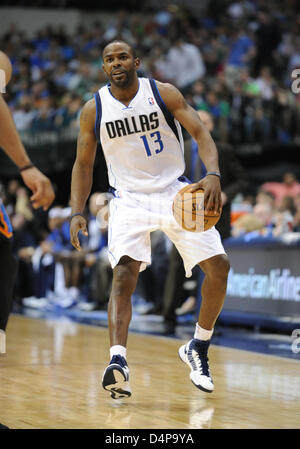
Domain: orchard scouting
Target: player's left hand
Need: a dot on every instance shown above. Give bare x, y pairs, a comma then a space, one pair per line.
212, 193
41, 187
78, 223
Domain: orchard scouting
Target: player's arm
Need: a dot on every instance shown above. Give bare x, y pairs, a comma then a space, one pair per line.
10, 142
82, 173
190, 120
9, 137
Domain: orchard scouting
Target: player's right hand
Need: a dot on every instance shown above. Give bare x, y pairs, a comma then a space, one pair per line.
212, 193
41, 187
78, 223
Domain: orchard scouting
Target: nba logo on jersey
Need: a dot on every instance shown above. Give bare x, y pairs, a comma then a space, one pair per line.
151, 100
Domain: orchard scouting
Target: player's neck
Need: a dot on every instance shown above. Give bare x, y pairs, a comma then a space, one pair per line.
125, 94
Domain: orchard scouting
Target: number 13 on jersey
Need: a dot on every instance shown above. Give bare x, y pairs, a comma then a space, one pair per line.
155, 141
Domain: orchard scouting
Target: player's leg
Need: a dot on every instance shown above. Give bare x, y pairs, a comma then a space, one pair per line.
129, 251
213, 289
205, 249
195, 352
8, 270
125, 276
116, 376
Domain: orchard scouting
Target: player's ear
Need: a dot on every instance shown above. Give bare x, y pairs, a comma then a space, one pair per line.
137, 62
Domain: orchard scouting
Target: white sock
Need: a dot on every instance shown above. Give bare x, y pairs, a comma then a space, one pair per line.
117, 350
202, 334
2, 342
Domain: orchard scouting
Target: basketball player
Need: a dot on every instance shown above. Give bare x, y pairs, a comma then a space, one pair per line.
137, 122
43, 196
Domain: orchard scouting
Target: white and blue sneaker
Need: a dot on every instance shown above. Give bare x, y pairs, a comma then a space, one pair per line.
116, 378
194, 354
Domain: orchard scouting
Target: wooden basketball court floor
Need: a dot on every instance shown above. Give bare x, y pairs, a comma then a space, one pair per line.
50, 378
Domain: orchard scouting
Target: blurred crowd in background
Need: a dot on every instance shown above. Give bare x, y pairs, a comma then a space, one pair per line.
235, 64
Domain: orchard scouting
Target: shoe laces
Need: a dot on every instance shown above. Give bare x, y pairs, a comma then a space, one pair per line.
119, 360
200, 356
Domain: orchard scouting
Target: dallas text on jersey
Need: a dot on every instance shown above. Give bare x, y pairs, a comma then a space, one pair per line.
132, 125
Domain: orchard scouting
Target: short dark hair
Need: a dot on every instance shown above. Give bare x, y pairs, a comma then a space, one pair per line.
121, 41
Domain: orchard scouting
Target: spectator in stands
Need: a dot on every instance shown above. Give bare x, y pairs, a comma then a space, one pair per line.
63, 76
288, 187
237, 114
68, 272
68, 114
284, 114
159, 65
258, 222
56, 271
44, 119
296, 220
283, 218
268, 37
239, 9
265, 84
264, 212
23, 114
241, 52
198, 94
257, 125
287, 204
264, 197
267, 220
183, 55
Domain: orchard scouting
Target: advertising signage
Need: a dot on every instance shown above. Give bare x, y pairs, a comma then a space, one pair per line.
264, 280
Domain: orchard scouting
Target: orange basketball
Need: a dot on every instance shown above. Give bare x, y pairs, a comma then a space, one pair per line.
6, 66
188, 210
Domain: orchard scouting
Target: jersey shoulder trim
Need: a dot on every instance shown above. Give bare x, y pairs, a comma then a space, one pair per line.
167, 114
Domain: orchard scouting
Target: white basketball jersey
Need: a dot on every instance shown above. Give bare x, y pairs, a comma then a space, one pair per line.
142, 142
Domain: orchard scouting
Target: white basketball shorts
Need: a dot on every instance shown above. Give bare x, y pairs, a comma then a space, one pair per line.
133, 216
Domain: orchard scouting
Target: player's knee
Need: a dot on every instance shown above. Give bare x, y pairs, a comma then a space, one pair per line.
222, 267
218, 268
123, 283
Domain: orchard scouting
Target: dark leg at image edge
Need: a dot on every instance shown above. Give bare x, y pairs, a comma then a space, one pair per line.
8, 270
